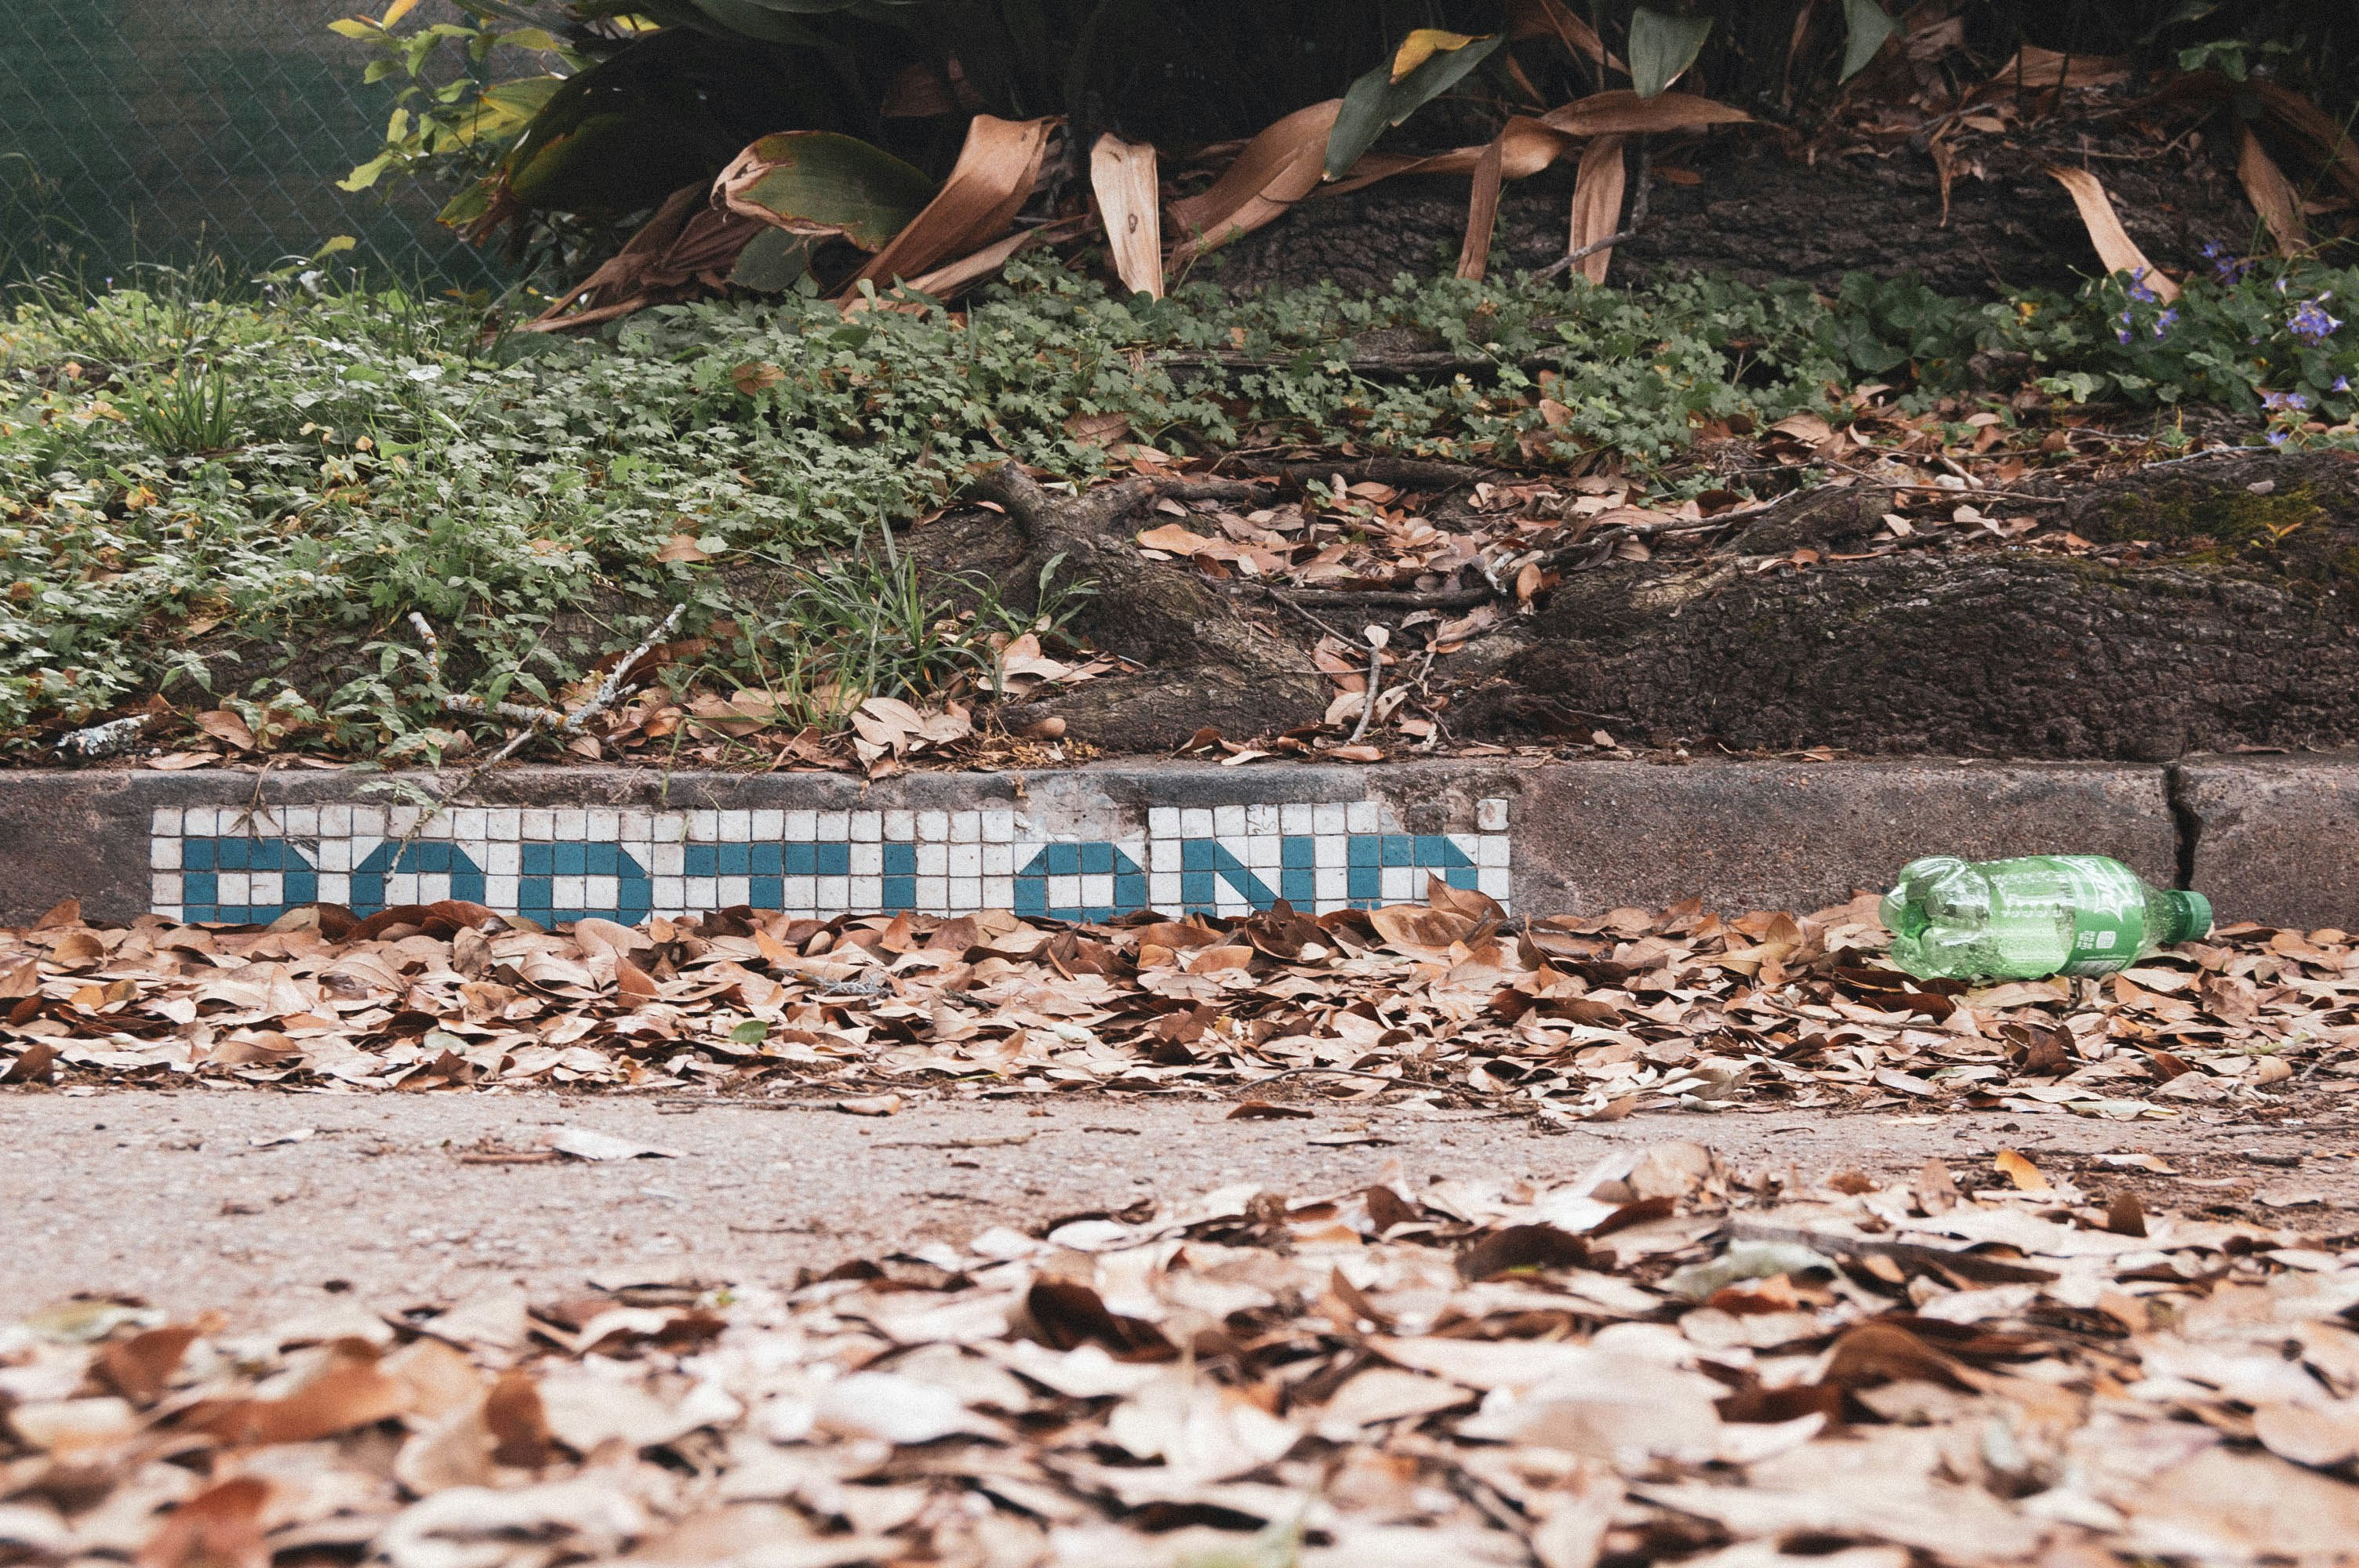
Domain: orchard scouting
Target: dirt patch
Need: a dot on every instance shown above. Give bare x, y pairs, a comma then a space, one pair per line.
1745, 205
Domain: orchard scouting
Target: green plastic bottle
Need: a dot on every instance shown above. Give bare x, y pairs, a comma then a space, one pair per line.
2027, 919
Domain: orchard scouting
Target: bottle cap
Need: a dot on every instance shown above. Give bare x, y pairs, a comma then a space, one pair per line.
2191, 914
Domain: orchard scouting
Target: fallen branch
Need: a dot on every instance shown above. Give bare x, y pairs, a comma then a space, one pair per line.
1377, 637
107, 740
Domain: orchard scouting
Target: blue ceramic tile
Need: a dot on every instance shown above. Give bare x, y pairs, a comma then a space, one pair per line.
466, 877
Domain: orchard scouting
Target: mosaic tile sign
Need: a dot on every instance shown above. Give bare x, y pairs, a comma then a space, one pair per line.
551, 865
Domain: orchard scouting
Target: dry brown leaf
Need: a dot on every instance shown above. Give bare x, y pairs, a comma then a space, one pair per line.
2115, 247
351, 1391
2271, 194
221, 1527
1130, 205
987, 187
1277, 168
227, 728
2021, 1172
1482, 214
1597, 203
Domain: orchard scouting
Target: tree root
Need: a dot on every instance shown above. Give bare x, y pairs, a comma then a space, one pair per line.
1415, 473
1207, 664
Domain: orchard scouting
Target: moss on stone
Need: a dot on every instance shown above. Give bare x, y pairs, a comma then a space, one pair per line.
2287, 533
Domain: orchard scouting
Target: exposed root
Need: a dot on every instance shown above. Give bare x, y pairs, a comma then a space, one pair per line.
1209, 665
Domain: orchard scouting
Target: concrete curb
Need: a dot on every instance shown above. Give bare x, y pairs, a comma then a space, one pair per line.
2271, 839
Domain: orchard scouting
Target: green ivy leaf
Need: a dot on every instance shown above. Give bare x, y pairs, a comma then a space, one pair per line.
1662, 47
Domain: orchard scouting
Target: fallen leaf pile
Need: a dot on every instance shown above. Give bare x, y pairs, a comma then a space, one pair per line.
1662, 1359
1561, 1019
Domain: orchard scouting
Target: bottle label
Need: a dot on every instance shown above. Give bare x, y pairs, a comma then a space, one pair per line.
2108, 918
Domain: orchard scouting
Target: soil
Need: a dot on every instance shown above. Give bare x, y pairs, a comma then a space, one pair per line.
204, 1199
1761, 210
2206, 606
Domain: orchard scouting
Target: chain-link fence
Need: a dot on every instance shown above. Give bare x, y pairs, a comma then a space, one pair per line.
172, 130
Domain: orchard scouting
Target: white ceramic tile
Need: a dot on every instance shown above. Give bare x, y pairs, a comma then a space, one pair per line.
164, 891
867, 826
1494, 881
1263, 852
965, 860
198, 821
1330, 849
703, 892
572, 825
1298, 820
1195, 822
668, 861
998, 860
736, 826
1163, 855
1163, 891
671, 827
336, 821
735, 891
1491, 816
163, 854
1492, 852
1332, 885
831, 895
500, 822
1331, 818
500, 892
901, 825
933, 859
302, 821
966, 826
998, 824
867, 860
1361, 816
635, 828
335, 887
933, 891
1097, 890
866, 894
769, 826
333, 855
1064, 893
566, 892
933, 827
502, 859
267, 888
1261, 819
232, 887
670, 894
1401, 884
165, 819
536, 826
466, 822
1228, 820
966, 894
704, 828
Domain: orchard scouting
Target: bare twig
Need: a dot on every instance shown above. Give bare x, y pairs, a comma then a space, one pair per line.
1377, 637
536, 721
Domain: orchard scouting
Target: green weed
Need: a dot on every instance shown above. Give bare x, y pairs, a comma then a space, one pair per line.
215, 495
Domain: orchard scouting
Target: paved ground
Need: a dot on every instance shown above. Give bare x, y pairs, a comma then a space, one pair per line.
188, 1199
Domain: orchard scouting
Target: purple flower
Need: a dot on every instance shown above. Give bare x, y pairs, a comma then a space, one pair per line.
2284, 400
2342, 383
2140, 291
2123, 334
2276, 438
2311, 322
2165, 321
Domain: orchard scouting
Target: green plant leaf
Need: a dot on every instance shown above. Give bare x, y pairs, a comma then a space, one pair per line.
771, 261
1869, 26
1662, 47
1375, 103
814, 183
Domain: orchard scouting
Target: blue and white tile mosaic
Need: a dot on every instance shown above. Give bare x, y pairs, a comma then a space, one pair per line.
238, 865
